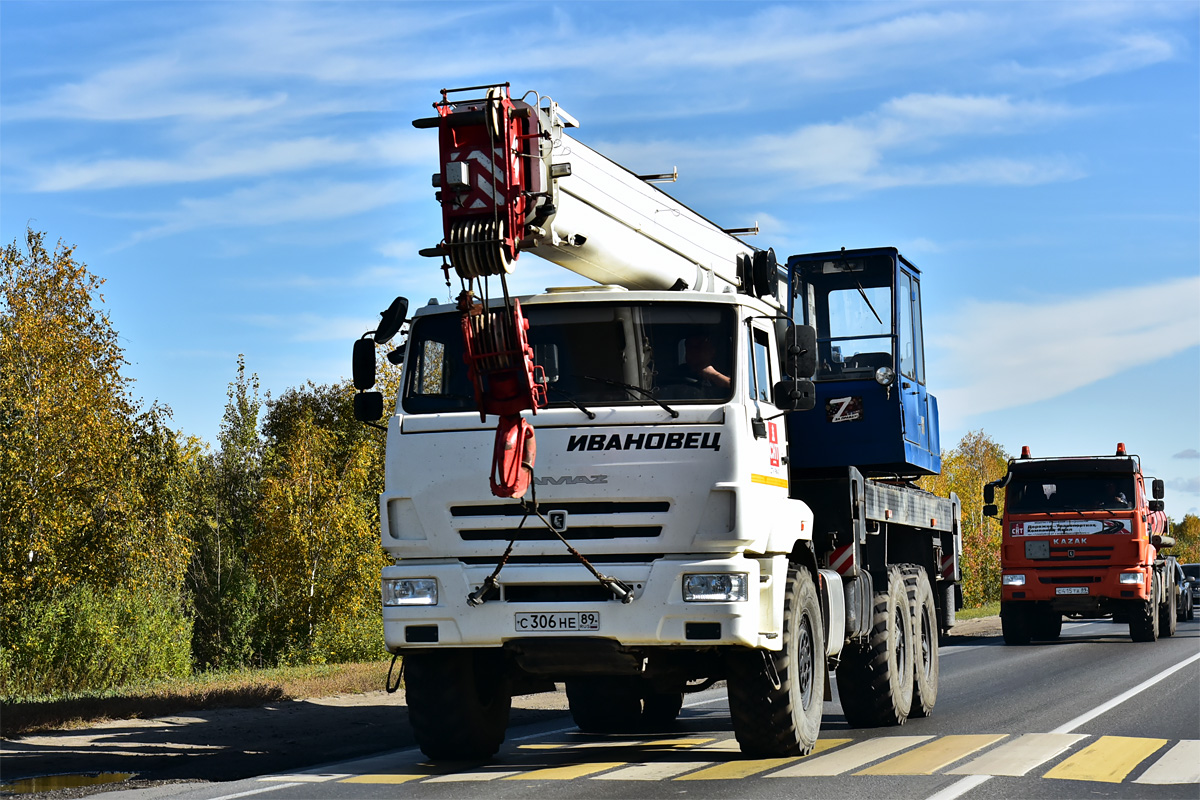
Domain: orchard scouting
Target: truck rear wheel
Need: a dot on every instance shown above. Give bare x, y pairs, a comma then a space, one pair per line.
875, 679
776, 698
1143, 620
458, 703
1167, 613
925, 639
1016, 623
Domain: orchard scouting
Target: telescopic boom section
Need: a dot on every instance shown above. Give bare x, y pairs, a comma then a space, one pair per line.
512, 181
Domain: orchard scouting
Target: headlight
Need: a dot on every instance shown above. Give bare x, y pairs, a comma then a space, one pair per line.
1012, 580
410, 592
884, 376
721, 587
1132, 577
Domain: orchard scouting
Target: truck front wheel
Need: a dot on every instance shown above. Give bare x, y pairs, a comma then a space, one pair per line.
776, 698
1016, 623
875, 678
1143, 619
458, 703
1046, 624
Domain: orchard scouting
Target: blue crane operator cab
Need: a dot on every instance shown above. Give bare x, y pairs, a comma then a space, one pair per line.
872, 410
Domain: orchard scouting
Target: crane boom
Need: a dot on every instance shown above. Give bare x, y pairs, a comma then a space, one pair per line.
511, 180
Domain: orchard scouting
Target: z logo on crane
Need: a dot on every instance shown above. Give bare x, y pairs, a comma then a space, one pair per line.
844, 409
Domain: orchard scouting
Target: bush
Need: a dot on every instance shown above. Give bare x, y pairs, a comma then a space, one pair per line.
86, 639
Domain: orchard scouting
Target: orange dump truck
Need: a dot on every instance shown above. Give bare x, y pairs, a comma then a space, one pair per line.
1082, 539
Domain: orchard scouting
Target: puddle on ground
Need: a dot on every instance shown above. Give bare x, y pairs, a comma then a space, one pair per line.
46, 783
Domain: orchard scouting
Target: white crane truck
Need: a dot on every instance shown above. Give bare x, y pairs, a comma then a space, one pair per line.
723, 486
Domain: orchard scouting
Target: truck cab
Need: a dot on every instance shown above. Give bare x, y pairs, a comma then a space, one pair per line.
1081, 537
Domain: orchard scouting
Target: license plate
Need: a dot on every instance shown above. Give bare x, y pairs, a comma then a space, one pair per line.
558, 621
1071, 590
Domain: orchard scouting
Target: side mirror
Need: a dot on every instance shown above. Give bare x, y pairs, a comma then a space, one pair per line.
989, 493
1157, 487
795, 395
990, 510
393, 318
800, 351
364, 364
368, 406
1156, 505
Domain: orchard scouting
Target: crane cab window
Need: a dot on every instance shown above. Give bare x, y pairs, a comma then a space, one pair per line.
912, 353
851, 307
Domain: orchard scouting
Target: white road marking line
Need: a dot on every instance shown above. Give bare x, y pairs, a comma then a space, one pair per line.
850, 757
960, 788
651, 771
274, 788
1180, 764
1015, 758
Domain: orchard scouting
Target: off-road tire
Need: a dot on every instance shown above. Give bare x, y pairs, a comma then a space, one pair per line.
1016, 623
774, 721
605, 704
875, 678
1167, 614
1143, 620
925, 639
1046, 624
458, 703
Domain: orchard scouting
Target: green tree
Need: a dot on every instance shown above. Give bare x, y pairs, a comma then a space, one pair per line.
1187, 539
317, 554
91, 490
976, 460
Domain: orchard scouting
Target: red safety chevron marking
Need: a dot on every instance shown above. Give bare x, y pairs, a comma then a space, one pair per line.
948, 567
842, 559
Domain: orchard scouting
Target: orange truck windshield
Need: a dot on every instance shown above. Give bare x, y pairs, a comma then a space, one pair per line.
1054, 493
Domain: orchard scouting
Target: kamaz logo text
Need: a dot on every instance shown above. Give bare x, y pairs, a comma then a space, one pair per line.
570, 480
646, 441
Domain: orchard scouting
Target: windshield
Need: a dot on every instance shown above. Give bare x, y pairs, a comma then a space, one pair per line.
852, 306
1070, 493
591, 353
1191, 570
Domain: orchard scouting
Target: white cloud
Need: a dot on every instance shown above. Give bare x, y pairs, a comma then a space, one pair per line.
1191, 452
1007, 354
1125, 54
312, 327
274, 203
211, 162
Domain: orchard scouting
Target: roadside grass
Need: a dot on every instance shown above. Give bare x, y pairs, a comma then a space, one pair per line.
208, 690
985, 610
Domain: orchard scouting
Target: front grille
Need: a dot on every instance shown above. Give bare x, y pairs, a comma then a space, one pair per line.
578, 507
531, 529
1070, 579
540, 533
551, 593
1060, 554
565, 558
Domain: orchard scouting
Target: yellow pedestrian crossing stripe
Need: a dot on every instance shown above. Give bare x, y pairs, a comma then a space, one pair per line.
1079, 757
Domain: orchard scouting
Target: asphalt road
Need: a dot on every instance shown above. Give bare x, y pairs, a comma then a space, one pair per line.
1089, 716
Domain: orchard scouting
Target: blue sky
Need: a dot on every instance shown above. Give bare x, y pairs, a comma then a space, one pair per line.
246, 178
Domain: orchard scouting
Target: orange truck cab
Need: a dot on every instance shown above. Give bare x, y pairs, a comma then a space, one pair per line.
1082, 539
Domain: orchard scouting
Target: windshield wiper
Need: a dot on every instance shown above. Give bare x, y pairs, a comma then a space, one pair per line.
566, 396
630, 387
867, 300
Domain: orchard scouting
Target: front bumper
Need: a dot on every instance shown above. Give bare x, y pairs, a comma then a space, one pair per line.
658, 614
